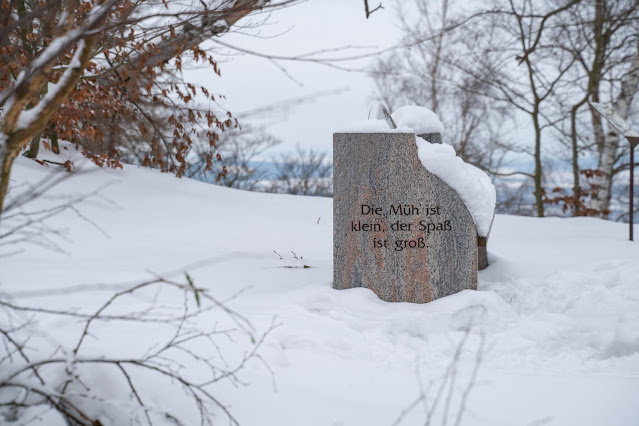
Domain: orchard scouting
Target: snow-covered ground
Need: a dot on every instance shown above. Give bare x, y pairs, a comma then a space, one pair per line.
554, 325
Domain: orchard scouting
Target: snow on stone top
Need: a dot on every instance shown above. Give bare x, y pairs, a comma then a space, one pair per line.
420, 119
372, 126
473, 185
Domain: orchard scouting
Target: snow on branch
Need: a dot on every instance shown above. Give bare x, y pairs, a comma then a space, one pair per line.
60, 44
112, 383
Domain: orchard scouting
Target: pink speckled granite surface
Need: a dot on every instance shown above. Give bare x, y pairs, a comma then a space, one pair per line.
383, 170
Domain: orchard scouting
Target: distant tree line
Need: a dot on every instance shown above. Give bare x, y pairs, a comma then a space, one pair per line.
246, 166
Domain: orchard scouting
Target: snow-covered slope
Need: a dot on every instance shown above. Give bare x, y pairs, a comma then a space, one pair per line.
555, 322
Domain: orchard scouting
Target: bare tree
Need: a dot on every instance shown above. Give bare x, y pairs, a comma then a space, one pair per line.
307, 172
609, 145
567, 51
368, 9
599, 34
240, 165
428, 73
437, 398
519, 58
27, 223
524, 26
79, 33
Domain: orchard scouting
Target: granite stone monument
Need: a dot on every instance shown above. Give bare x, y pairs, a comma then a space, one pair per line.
398, 229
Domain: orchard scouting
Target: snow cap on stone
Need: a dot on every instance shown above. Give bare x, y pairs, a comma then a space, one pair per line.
420, 119
371, 126
473, 185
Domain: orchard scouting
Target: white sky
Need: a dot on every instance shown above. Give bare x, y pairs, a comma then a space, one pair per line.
249, 82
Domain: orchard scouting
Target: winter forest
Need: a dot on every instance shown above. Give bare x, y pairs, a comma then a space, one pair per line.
167, 211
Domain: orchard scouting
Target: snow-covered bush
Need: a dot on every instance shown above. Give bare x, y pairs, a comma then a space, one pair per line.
117, 364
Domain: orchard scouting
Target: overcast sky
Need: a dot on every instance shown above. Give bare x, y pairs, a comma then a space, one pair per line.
250, 82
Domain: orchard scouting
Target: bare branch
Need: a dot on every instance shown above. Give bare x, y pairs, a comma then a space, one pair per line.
368, 10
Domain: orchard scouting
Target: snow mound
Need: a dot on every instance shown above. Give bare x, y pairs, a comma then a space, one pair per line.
420, 119
473, 186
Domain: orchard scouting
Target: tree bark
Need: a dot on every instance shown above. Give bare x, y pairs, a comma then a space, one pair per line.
55, 147
9, 150
576, 186
434, 74
34, 147
594, 78
539, 189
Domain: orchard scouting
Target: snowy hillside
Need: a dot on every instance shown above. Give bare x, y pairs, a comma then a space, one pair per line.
554, 325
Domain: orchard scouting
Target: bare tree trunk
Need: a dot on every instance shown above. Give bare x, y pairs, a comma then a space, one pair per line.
530, 40
601, 199
576, 186
539, 190
9, 150
597, 123
438, 53
53, 137
34, 147
594, 79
